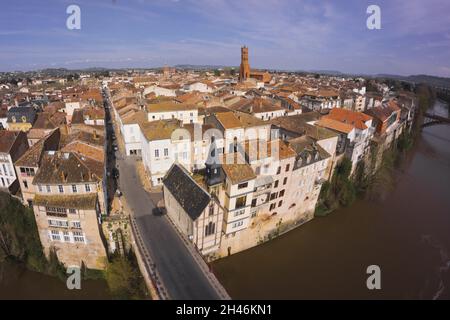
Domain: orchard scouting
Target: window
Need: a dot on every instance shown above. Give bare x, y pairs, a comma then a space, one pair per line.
258, 171
156, 153
55, 235
238, 224
87, 187
253, 203
272, 206
61, 189
58, 223
72, 211
74, 188
55, 211
280, 203
40, 188
76, 224
243, 185
49, 189
284, 181
287, 167
25, 184
166, 152
275, 184
281, 193
211, 210
240, 202
66, 236
273, 196
279, 170
210, 229
78, 236
239, 212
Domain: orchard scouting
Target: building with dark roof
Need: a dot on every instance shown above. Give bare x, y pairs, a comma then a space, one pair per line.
21, 118
196, 213
67, 205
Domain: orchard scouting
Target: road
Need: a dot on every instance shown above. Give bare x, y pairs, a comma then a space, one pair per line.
180, 272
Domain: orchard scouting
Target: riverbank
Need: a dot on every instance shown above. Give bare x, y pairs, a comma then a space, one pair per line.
25, 273
406, 234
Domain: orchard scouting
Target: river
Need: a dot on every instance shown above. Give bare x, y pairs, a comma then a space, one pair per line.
16, 282
407, 236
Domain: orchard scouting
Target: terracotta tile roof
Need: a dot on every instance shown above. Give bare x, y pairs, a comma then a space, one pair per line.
384, 111
295, 123
86, 150
160, 129
66, 168
356, 119
239, 171
32, 157
335, 125
169, 106
135, 116
228, 120
96, 139
254, 152
7, 139
255, 105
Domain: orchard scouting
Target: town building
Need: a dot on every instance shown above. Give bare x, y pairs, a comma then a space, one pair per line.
355, 131
21, 118
196, 213
68, 193
29, 163
13, 144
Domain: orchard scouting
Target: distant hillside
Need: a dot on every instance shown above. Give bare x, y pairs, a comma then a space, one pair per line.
434, 81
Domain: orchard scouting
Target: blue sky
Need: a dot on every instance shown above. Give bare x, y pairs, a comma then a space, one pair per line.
291, 34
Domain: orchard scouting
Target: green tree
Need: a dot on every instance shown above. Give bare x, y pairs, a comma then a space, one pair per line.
124, 279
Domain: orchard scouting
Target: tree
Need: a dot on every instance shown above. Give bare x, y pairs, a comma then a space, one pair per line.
123, 277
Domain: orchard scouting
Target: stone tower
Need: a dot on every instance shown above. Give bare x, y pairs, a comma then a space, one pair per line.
244, 71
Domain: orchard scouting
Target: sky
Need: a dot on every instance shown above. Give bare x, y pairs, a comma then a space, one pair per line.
281, 34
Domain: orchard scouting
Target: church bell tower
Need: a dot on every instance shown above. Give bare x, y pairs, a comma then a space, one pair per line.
244, 71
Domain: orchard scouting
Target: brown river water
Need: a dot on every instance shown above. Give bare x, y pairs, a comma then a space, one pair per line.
407, 236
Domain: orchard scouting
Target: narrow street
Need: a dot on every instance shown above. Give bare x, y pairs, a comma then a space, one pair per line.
180, 272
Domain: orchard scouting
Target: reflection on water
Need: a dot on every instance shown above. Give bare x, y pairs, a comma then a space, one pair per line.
407, 236
19, 283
